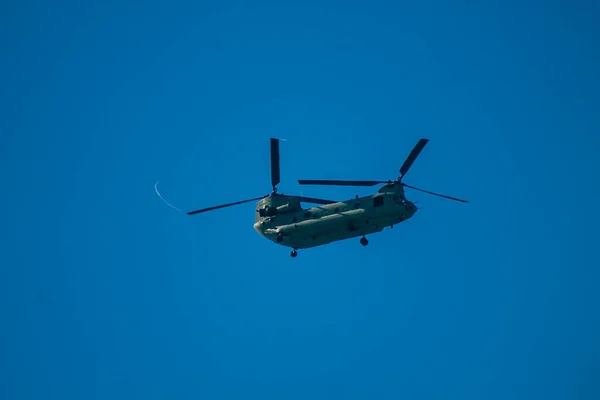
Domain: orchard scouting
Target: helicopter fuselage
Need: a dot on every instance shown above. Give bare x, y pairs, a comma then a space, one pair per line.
282, 219
285, 222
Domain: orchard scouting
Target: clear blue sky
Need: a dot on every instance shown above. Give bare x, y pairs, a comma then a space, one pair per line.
107, 293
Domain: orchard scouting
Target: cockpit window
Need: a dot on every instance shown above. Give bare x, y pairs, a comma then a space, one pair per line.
378, 201
267, 212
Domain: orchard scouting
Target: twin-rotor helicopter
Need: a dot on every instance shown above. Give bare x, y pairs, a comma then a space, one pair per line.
282, 219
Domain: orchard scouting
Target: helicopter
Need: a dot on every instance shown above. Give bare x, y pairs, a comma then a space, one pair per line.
282, 219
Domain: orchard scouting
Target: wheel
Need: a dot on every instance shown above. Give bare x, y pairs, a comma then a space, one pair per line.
294, 253
364, 241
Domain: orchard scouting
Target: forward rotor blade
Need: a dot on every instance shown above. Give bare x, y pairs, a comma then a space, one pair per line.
338, 182
412, 156
314, 200
224, 205
275, 177
435, 194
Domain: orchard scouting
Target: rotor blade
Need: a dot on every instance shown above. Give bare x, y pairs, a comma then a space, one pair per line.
275, 178
435, 194
412, 156
314, 200
224, 205
338, 182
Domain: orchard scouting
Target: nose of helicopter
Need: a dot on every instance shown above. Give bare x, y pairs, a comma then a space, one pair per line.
258, 227
264, 230
410, 206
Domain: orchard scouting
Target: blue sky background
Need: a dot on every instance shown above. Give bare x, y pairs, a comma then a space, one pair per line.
105, 292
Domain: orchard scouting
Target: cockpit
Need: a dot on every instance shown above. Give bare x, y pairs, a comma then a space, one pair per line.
395, 196
271, 207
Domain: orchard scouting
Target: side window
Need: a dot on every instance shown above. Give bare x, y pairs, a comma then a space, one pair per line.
378, 201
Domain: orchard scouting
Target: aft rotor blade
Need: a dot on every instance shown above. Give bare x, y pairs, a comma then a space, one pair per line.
412, 156
436, 194
224, 205
314, 200
338, 182
275, 177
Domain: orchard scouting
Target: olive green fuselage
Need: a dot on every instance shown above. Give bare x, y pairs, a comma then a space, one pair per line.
282, 219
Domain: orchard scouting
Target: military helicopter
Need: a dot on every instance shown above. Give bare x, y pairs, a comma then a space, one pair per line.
282, 219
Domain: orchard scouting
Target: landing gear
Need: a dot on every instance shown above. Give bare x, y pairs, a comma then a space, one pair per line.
294, 253
364, 241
